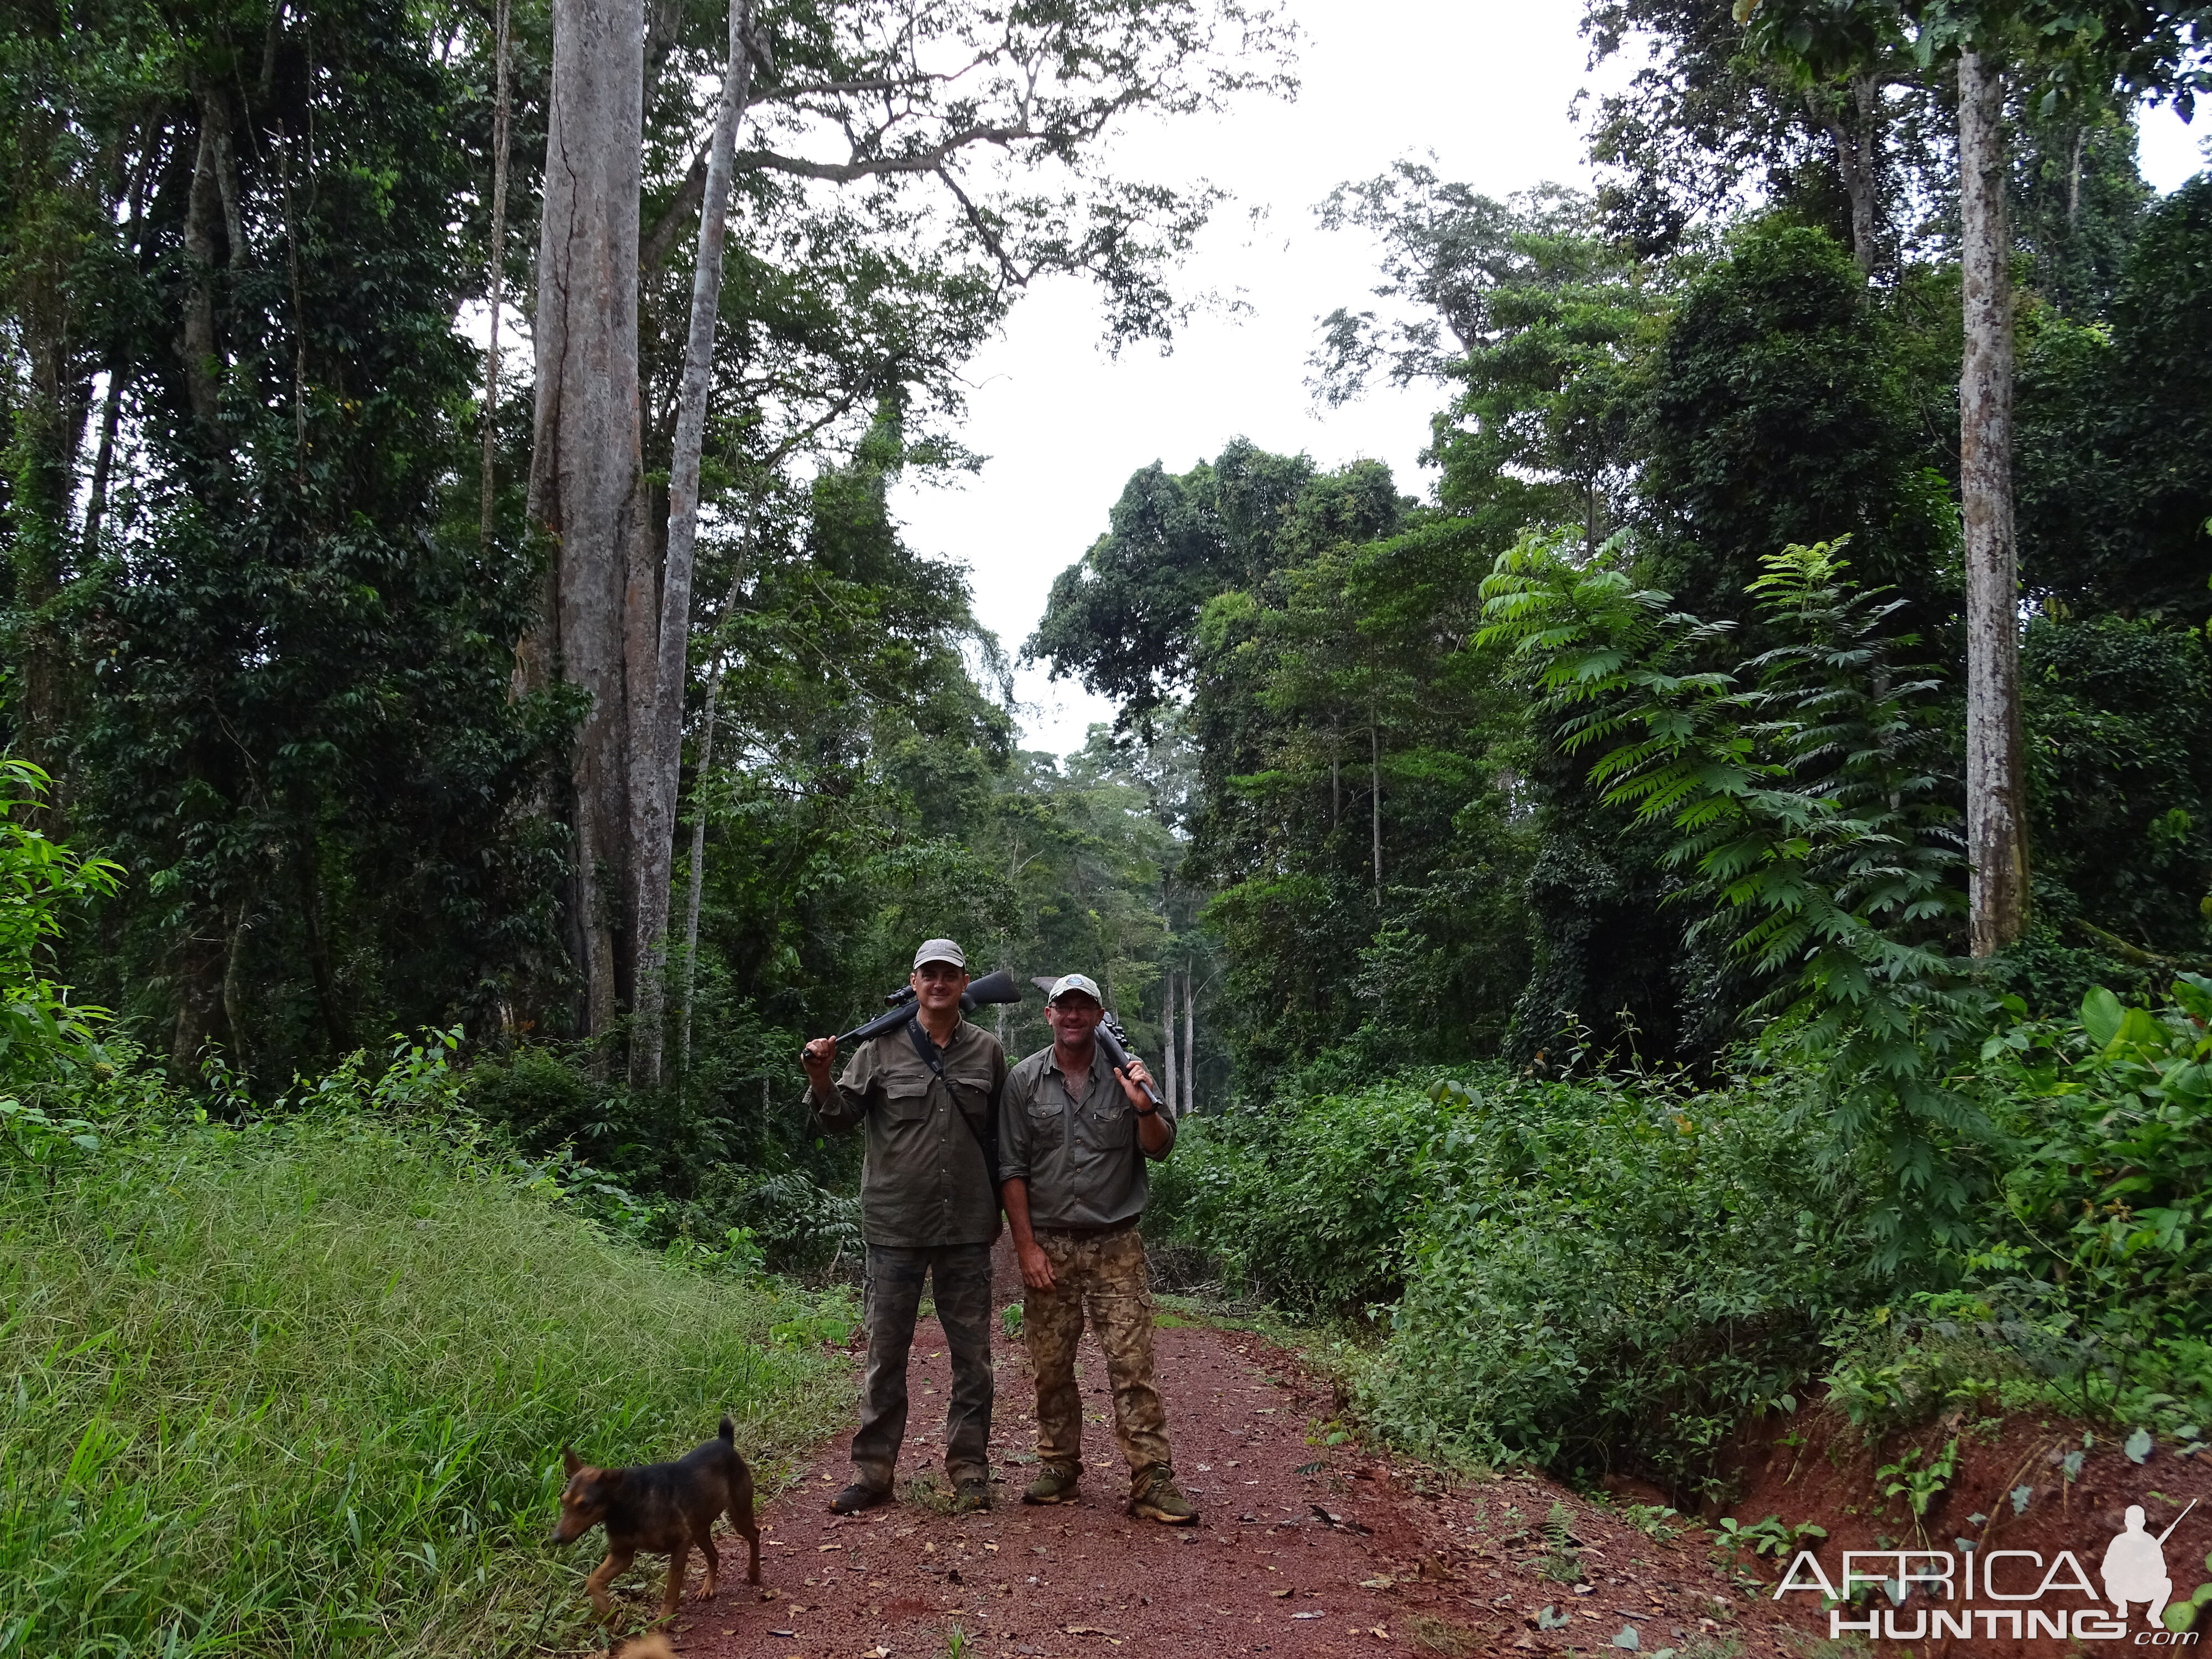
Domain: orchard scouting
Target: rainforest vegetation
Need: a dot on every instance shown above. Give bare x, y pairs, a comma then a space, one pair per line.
1699, 905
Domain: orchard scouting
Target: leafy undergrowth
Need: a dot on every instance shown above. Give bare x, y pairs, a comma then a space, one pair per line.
299, 1389
1612, 1274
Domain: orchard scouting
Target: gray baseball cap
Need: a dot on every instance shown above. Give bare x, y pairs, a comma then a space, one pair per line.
940, 950
1082, 982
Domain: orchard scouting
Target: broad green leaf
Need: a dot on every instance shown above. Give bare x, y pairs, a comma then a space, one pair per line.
2102, 1016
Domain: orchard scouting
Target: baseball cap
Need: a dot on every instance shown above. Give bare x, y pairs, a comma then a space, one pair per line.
940, 950
1082, 982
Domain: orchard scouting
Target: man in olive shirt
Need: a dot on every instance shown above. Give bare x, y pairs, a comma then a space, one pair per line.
927, 1093
1074, 1135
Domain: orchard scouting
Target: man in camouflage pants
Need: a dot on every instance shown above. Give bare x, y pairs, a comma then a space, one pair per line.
925, 1096
1074, 1134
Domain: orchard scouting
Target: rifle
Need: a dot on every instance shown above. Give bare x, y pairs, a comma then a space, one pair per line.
1112, 1039
992, 988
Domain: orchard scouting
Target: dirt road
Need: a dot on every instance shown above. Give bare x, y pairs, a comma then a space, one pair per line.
1301, 1549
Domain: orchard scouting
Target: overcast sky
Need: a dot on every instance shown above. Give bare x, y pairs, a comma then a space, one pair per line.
1486, 86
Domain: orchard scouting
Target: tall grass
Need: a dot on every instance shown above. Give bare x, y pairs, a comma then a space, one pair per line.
300, 1390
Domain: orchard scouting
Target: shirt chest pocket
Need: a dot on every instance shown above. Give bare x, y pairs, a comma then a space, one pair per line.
972, 1088
906, 1100
1105, 1125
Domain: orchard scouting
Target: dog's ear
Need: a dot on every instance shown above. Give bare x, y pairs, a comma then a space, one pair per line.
569, 1461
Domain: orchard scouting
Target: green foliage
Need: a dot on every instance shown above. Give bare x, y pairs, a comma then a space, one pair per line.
1776, 415
1768, 1537
2115, 428
1918, 1485
1592, 1275
2118, 714
1309, 1202
1615, 1277
298, 1387
1802, 796
2099, 1273
40, 1029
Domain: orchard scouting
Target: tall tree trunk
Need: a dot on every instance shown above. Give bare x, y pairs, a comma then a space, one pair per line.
657, 686
496, 263
202, 216
233, 980
103, 459
586, 468
1168, 1036
199, 981
1190, 1040
319, 967
1375, 796
696, 874
43, 469
1996, 838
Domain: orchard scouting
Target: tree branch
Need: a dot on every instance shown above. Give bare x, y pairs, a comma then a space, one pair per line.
660, 241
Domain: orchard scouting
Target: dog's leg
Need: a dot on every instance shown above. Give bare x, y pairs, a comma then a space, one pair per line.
742, 1522
673, 1597
713, 1559
615, 1565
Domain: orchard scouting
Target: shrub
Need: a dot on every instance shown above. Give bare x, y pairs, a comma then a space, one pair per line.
299, 1387
1592, 1273
40, 1028
1309, 1204
1617, 1277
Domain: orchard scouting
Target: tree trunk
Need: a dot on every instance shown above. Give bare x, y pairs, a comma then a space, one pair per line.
494, 265
319, 967
662, 621
1375, 796
234, 983
103, 457
1190, 1040
587, 466
1996, 838
1857, 161
696, 875
1167, 1037
202, 215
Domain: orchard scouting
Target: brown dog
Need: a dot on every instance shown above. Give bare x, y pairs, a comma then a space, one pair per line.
660, 1506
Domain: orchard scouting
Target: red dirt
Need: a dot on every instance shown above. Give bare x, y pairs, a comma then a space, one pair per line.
1301, 1549
1829, 1478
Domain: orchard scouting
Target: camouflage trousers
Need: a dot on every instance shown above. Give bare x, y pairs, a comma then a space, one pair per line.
1105, 1274
962, 1273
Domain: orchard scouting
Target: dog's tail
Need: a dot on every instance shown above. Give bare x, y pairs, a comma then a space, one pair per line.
729, 1431
651, 1646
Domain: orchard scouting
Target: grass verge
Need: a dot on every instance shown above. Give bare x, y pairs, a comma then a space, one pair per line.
300, 1389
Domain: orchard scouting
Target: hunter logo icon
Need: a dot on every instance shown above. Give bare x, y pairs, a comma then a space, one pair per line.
2135, 1566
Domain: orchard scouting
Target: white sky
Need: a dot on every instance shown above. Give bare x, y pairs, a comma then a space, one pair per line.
1484, 85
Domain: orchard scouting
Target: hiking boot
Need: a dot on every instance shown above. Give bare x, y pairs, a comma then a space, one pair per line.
973, 1493
858, 1496
1053, 1487
1156, 1498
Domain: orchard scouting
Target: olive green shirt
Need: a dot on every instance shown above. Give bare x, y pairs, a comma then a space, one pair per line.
924, 1180
1076, 1147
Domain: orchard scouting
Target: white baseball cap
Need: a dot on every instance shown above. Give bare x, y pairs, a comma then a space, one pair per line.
1082, 982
